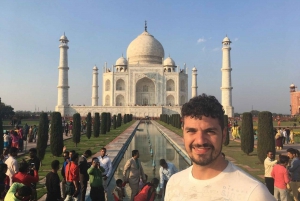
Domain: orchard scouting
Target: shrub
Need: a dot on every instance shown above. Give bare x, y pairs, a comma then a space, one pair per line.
247, 136
89, 125
56, 139
115, 121
226, 141
42, 135
125, 118
103, 122
265, 135
108, 122
96, 126
76, 128
119, 120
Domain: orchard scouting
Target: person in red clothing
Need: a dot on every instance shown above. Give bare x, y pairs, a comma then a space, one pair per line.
148, 192
281, 178
23, 177
72, 178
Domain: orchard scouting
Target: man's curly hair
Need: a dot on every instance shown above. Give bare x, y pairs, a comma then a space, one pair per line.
205, 105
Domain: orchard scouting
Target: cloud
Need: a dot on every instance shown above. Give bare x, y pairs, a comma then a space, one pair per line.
216, 49
236, 39
201, 40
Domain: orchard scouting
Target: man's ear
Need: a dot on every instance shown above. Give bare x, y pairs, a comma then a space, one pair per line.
224, 133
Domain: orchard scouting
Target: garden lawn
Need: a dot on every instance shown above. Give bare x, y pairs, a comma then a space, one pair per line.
233, 152
94, 144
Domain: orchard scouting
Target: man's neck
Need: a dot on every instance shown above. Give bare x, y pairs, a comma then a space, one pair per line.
209, 171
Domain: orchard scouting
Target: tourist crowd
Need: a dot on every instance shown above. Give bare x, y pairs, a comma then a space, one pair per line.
282, 176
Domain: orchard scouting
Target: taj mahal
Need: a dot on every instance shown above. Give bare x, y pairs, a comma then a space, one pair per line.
144, 83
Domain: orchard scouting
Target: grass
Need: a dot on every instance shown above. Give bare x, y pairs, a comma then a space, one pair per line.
94, 144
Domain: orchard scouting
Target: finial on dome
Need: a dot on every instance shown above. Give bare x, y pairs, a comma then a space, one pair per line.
146, 26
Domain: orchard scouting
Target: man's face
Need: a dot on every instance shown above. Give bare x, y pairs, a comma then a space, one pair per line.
102, 152
66, 156
203, 139
137, 155
31, 154
290, 155
270, 155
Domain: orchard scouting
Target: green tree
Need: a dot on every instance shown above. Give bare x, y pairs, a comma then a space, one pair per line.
103, 122
42, 136
6, 111
226, 141
89, 125
247, 136
56, 139
125, 118
96, 126
108, 122
119, 120
265, 135
115, 121
76, 128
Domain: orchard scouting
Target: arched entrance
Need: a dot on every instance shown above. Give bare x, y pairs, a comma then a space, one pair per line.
145, 92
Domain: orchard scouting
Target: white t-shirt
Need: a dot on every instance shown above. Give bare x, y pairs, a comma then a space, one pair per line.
232, 184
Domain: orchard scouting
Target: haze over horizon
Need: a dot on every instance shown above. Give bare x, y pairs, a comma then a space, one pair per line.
264, 51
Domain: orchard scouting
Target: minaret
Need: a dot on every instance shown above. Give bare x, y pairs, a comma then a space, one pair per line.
194, 82
226, 78
63, 86
95, 87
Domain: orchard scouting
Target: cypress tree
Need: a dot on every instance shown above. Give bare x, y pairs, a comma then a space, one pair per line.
56, 138
265, 135
119, 120
247, 136
108, 115
96, 126
42, 135
115, 121
125, 118
76, 128
89, 125
226, 141
103, 122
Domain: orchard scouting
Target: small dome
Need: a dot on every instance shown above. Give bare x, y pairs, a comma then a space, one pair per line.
169, 62
145, 49
292, 86
95, 68
64, 37
194, 69
121, 61
226, 39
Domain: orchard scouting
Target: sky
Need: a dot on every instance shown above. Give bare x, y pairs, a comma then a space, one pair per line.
265, 49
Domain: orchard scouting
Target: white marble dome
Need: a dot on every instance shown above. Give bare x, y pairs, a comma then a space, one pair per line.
194, 69
292, 86
226, 39
145, 49
63, 37
169, 62
121, 61
95, 68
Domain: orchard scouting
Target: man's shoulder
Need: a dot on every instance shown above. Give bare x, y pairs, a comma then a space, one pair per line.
182, 174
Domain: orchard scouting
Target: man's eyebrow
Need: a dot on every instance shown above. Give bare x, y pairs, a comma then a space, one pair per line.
190, 128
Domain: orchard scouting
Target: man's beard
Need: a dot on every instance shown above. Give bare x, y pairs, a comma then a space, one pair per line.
204, 159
